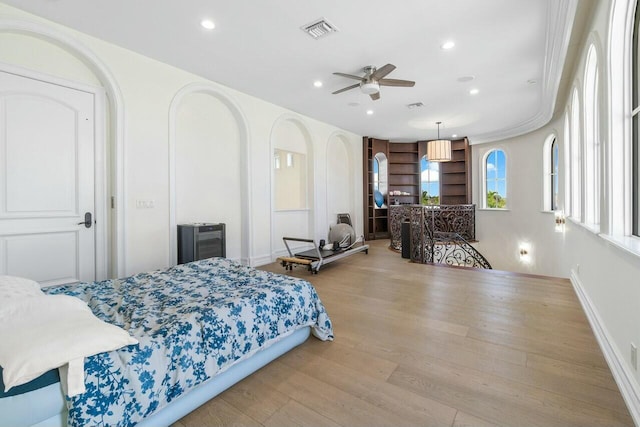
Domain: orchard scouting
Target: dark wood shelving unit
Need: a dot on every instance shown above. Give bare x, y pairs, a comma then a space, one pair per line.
376, 219
455, 176
404, 172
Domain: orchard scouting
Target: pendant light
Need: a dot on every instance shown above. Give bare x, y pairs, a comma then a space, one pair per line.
439, 150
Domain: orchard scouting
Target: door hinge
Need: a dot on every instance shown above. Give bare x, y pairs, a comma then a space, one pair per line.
113, 202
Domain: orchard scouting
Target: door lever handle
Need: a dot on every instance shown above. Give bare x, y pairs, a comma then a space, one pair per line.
87, 220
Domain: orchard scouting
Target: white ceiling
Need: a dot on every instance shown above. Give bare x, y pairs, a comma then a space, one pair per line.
258, 48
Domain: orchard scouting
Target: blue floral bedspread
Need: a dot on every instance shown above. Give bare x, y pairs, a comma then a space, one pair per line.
193, 321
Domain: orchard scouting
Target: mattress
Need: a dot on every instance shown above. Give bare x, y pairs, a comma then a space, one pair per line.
194, 322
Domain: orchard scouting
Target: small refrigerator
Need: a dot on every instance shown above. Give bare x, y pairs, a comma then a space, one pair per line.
201, 240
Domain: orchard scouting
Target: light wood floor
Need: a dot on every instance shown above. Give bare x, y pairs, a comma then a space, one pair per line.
419, 345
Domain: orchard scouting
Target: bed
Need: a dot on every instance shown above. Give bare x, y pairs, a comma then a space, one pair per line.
200, 328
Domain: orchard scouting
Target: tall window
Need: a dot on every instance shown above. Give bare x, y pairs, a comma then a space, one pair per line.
635, 147
567, 163
551, 179
430, 182
555, 177
591, 141
495, 172
576, 159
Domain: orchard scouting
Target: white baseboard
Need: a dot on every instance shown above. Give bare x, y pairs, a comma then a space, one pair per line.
260, 260
628, 385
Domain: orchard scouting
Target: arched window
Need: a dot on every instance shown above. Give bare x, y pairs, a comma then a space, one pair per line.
635, 144
576, 158
495, 172
429, 182
551, 179
591, 141
567, 163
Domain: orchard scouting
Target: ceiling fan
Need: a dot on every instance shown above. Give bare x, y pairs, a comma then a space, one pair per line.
372, 80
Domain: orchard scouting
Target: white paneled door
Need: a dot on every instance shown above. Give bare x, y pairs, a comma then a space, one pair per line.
46, 181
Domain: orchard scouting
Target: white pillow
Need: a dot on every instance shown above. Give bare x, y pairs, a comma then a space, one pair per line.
12, 287
46, 332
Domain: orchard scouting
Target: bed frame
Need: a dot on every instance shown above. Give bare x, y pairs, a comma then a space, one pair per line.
315, 258
29, 409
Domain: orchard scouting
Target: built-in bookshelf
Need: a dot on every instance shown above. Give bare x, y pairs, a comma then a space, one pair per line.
376, 219
404, 173
401, 183
455, 176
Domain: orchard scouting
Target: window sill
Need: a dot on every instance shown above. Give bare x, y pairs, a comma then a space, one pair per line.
493, 210
593, 228
629, 244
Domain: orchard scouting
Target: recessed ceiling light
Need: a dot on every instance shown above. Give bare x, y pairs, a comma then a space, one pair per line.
474, 92
369, 112
455, 135
448, 45
317, 83
207, 24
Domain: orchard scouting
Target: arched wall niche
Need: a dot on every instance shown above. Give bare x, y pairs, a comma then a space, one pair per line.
209, 131
289, 133
112, 162
340, 179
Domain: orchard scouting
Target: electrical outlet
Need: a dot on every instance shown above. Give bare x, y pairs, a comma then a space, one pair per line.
634, 356
145, 204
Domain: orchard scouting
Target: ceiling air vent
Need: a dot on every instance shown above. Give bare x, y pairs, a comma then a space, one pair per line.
319, 28
415, 105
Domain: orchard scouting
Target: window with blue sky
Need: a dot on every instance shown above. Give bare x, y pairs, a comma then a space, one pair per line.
496, 180
430, 182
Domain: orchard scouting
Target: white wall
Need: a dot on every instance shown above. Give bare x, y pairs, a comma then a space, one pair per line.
501, 232
148, 88
606, 276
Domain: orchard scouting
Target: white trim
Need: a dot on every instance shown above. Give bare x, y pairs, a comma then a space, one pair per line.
560, 17
629, 244
245, 170
618, 155
629, 387
547, 170
260, 260
116, 114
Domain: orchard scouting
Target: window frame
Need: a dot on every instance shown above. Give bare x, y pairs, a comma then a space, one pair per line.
635, 124
591, 182
485, 179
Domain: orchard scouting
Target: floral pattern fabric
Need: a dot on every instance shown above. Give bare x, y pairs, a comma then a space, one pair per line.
193, 321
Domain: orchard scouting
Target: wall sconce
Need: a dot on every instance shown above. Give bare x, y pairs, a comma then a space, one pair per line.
525, 253
560, 221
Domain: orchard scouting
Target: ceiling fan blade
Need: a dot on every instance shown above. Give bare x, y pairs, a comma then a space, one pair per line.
375, 96
349, 76
381, 72
396, 82
344, 89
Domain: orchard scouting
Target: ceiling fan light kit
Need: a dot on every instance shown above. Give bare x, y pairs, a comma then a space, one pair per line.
372, 80
369, 87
